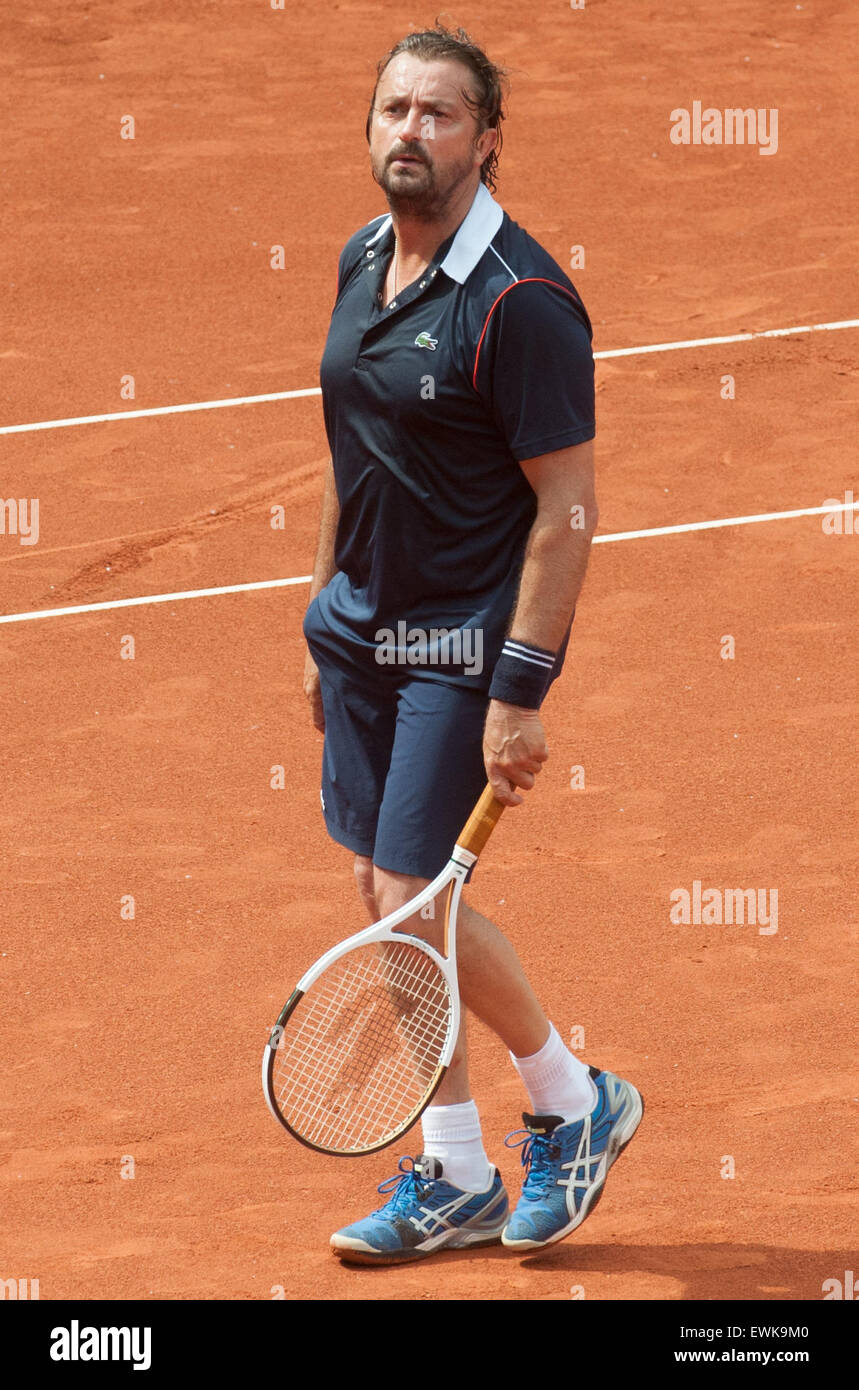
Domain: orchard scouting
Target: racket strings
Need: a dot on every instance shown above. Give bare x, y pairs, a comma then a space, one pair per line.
363, 1047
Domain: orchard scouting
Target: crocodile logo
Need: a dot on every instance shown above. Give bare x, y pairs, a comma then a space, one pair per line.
424, 340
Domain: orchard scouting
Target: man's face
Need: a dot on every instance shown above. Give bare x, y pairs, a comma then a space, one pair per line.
423, 137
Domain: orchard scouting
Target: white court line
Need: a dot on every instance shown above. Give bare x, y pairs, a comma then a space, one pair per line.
306, 578
315, 390
156, 598
733, 338
160, 410
723, 521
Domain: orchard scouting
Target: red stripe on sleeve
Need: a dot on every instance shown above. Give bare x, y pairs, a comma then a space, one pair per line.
531, 279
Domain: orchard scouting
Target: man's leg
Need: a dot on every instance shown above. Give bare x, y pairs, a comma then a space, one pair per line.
492, 982
366, 887
581, 1118
494, 986
451, 1195
451, 1124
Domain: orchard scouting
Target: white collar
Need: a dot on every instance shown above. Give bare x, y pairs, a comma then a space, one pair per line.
475, 232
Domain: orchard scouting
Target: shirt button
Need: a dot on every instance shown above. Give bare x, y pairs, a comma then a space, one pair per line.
423, 282
370, 255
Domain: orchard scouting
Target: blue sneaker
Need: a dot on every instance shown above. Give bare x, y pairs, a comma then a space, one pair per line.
566, 1164
423, 1214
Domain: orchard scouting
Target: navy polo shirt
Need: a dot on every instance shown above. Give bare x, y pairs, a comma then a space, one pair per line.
429, 404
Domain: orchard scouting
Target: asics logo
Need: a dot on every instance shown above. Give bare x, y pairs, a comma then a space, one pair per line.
438, 1219
584, 1160
424, 340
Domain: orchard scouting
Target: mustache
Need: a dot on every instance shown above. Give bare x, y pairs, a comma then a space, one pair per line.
407, 154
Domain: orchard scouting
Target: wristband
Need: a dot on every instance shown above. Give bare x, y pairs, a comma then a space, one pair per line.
522, 675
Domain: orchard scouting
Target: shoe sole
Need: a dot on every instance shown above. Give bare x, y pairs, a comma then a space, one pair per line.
624, 1133
456, 1240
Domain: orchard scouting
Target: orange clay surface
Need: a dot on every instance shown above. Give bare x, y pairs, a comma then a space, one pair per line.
151, 777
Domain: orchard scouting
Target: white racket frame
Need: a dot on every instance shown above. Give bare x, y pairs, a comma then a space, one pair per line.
455, 872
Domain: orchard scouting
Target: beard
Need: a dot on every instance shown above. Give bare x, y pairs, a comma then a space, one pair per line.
418, 190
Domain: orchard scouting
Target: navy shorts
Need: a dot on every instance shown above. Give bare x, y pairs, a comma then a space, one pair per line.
402, 765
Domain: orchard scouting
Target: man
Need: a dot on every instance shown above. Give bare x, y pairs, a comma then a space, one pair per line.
459, 508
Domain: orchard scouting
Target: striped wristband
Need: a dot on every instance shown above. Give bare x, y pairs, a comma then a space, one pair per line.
522, 675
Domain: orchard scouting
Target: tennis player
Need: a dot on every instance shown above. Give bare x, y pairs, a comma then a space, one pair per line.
458, 395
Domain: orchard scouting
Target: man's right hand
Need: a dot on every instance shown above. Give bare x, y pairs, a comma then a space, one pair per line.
313, 692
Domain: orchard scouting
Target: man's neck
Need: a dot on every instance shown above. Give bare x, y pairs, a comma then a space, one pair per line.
418, 240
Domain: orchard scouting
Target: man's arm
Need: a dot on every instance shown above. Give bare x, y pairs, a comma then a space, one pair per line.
553, 572
323, 570
323, 565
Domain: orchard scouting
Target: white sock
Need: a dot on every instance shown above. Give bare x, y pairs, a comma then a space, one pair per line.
452, 1134
557, 1082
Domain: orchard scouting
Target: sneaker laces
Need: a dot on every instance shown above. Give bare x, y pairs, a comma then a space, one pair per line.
404, 1187
538, 1154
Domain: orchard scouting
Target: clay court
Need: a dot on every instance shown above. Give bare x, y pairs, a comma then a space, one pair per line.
151, 778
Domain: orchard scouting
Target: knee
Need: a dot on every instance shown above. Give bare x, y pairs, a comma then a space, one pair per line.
364, 879
392, 891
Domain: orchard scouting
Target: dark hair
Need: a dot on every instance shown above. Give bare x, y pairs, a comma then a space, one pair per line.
490, 81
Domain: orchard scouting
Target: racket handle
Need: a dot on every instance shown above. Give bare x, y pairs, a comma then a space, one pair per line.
481, 822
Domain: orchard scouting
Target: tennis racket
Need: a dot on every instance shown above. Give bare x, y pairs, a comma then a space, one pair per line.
362, 1043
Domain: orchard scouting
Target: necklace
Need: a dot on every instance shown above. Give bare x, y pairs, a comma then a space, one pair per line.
395, 266
394, 272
